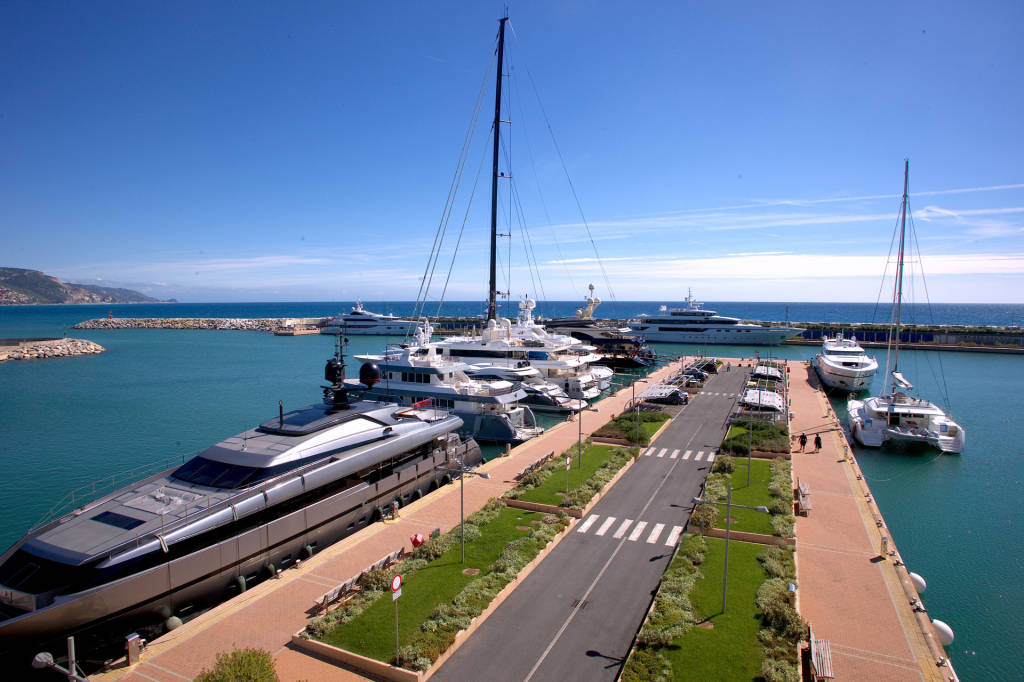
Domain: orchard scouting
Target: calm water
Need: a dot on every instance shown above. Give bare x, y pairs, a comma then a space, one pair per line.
159, 394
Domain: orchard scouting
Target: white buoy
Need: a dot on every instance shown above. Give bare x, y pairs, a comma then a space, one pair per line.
944, 632
919, 584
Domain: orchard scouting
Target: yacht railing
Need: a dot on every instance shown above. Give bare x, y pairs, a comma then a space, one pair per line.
108, 484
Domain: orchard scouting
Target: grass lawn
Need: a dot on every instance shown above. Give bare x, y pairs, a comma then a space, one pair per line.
753, 495
764, 437
629, 426
546, 493
372, 633
730, 650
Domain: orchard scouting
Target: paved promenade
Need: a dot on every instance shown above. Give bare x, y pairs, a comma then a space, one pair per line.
266, 616
850, 594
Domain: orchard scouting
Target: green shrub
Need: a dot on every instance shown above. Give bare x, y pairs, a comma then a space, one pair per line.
246, 665
724, 464
377, 579
647, 665
774, 670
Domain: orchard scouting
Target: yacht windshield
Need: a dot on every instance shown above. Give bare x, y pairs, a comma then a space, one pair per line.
214, 474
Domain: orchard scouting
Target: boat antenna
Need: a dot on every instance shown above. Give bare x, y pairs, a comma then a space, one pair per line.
492, 292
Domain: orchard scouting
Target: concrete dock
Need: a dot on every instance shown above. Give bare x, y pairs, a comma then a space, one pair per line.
852, 594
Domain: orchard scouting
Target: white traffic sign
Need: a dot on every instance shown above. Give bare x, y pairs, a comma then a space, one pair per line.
396, 594
396, 583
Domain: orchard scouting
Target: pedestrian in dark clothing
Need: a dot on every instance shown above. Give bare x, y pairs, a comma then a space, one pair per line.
803, 441
817, 442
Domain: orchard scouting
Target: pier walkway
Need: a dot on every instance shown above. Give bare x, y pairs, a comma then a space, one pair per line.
266, 616
851, 593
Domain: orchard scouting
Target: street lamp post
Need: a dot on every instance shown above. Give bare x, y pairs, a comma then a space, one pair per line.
728, 525
463, 471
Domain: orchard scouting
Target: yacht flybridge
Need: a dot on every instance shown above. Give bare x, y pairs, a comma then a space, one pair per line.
843, 365
231, 516
694, 324
896, 417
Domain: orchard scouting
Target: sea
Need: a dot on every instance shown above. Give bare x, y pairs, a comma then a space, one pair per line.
160, 396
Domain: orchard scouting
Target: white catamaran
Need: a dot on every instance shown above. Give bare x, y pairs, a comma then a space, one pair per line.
895, 417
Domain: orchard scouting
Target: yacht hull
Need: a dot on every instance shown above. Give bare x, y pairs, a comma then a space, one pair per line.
105, 613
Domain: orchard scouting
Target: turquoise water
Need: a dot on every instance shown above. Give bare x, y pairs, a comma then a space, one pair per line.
156, 395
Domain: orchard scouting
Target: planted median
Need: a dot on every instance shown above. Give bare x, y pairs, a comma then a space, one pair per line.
441, 595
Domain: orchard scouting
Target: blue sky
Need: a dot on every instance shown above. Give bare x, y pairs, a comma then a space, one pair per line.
304, 151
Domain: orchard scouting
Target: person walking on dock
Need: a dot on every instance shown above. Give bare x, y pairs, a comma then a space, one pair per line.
803, 441
817, 442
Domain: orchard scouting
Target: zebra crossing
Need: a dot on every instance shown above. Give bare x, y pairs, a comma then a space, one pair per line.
711, 393
638, 530
667, 453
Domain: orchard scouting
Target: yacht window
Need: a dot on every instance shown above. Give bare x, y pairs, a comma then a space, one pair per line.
118, 520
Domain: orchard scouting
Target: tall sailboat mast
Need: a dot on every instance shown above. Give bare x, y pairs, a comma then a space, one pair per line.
898, 294
492, 312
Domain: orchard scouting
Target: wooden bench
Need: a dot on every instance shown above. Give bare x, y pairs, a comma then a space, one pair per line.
804, 489
821, 658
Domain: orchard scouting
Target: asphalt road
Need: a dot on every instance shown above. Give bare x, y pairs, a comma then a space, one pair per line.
575, 615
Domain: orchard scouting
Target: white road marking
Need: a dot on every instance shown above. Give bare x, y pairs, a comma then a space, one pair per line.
655, 532
686, 455
711, 457
673, 537
638, 531
675, 453
623, 528
605, 526
699, 456
648, 451
585, 526
662, 452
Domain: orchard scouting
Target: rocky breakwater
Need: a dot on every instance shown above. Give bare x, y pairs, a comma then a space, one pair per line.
266, 324
48, 348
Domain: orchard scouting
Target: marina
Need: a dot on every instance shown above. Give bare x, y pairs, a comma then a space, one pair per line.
209, 368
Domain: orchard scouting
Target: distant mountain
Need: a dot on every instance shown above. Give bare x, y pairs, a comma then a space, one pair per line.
25, 287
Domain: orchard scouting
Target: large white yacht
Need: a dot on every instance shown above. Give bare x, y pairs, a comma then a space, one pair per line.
560, 359
843, 365
895, 417
364, 322
141, 556
418, 373
694, 324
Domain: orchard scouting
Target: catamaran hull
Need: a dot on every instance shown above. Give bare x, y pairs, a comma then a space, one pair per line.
874, 433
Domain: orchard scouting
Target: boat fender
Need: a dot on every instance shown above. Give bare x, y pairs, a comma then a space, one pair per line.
433, 486
944, 632
919, 583
172, 623
240, 583
270, 570
417, 494
378, 513
446, 479
307, 551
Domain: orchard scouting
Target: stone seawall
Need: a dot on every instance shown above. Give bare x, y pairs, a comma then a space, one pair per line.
264, 324
49, 348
